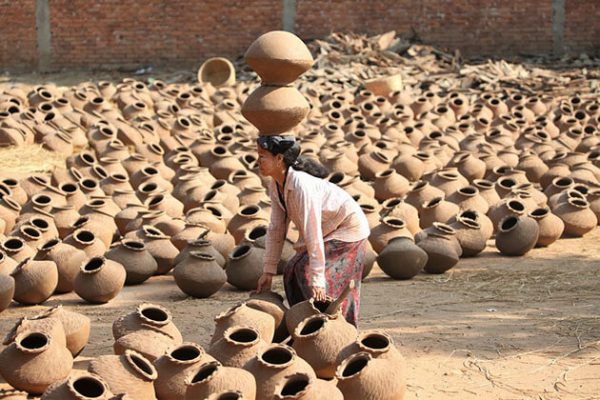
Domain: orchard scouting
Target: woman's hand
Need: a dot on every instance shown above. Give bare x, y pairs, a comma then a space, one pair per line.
318, 294
264, 282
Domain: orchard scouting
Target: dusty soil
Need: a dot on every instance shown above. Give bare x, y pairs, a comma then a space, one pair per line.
493, 327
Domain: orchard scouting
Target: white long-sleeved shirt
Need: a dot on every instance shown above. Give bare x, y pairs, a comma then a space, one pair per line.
321, 211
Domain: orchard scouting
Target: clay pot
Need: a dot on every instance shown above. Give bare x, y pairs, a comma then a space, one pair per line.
147, 317
437, 210
577, 216
361, 376
243, 315
410, 166
138, 262
390, 184
227, 395
165, 202
217, 71
35, 281
150, 344
9, 211
130, 373
87, 241
487, 191
127, 215
470, 167
516, 235
550, 226
468, 198
318, 340
271, 365
278, 57
274, 109
421, 193
7, 291
471, 237
402, 248
272, 304
202, 246
160, 247
17, 249
210, 218
389, 228
199, 275
34, 361
442, 248
505, 208
30, 235
174, 368
99, 280
81, 387
238, 345
370, 164
558, 185
7, 264
244, 267
76, 327
68, 261
301, 386
212, 377
398, 208
300, 311
448, 182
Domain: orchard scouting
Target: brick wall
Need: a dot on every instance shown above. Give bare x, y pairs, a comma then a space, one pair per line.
109, 33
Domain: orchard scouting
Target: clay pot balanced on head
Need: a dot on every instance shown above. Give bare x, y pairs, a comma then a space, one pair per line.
199, 275
516, 235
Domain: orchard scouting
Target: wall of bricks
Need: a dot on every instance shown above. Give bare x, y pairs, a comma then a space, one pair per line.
111, 33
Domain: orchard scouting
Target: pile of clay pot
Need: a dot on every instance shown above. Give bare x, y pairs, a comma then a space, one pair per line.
260, 350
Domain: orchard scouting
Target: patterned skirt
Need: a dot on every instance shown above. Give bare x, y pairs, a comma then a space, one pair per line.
343, 262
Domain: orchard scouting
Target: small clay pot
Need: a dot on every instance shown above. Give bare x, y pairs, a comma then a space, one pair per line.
99, 280
470, 235
437, 210
516, 235
244, 267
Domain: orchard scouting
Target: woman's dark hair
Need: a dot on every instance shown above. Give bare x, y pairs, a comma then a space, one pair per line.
289, 148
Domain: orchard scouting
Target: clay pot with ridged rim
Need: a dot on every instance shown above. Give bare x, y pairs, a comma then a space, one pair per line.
238, 345
138, 262
516, 235
470, 235
212, 377
199, 275
84, 386
577, 216
398, 208
147, 316
76, 326
550, 226
99, 280
242, 314
271, 303
301, 386
174, 367
421, 193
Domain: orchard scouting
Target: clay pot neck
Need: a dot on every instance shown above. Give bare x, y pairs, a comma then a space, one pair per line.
375, 342
94, 265
154, 314
242, 336
32, 342
186, 354
277, 357
87, 387
141, 366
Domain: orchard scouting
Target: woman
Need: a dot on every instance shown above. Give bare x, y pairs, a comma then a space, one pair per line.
331, 248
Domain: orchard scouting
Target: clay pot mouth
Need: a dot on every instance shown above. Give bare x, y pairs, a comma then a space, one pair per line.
468, 191
89, 183
205, 373
376, 342
154, 314
444, 228
391, 203
507, 183
394, 222
133, 244
257, 232
563, 182
508, 223
30, 232
249, 210
156, 199
148, 187
367, 208
141, 365
578, 202
87, 158
470, 223
85, 237
353, 365
420, 185
242, 335
202, 256
81, 221
219, 183
149, 171
581, 188
219, 151
40, 180
310, 326
40, 223
516, 206
210, 195
100, 171
152, 231
240, 252
186, 353
11, 183
68, 188
539, 213
87, 387
50, 244
41, 200
32, 342
483, 183
294, 385
385, 174
199, 243
433, 202
277, 356
13, 244
336, 177
458, 101
93, 265
119, 177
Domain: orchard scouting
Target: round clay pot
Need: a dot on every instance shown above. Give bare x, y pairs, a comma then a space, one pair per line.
7, 264
76, 327
318, 340
388, 228
130, 373
577, 216
487, 191
87, 241
505, 208
402, 248
150, 344
390, 184
9, 211
174, 367
35, 281
272, 304
34, 361
278, 57
470, 167
448, 182
165, 202
470, 235
400, 209
17, 249
138, 262
246, 219
202, 246
442, 248
275, 109
516, 235
7, 291
421, 193
199, 275
244, 315
271, 365
244, 267
81, 387
409, 166
99, 280
147, 316
301, 386
212, 377
550, 226
127, 215
51, 327
437, 210
373, 163
68, 261
238, 345
468, 198
160, 247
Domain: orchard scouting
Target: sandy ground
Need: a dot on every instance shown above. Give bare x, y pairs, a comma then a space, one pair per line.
491, 328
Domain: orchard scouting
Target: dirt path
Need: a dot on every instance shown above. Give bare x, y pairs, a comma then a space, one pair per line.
491, 328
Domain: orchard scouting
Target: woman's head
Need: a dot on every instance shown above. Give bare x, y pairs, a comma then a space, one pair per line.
277, 153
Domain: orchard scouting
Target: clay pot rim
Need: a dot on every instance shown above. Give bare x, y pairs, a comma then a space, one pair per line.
249, 232
444, 228
398, 223
387, 173
539, 213
433, 203
153, 232
72, 381
472, 191
100, 260
201, 255
33, 229
237, 328
469, 223
133, 244
139, 311
579, 203
297, 334
131, 356
13, 239
339, 373
486, 184
376, 333
556, 182
190, 381
280, 347
295, 377
11, 203
516, 206
186, 345
76, 235
23, 335
507, 219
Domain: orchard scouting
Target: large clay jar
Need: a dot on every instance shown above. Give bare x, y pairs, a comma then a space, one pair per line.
75, 325
551, 227
51, 327
413, 258
378, 344
68, 261
7, 291
437, 210
470, 166
160, 247
487, 191
212, 377
174, 368
516, 235
275, 109
388, 228
99, 280
390, 184
35, 281
243, 315
244, 267
246, 219
301, 386
147, 316
278, 57
34, 361
17, 249
199, 275
238, 345
302, 310
138, 262
448, 181
470, 235
577, 216
150, 344
83, 386
130, 373
318, 340
410, 166
9, 211
442, 248
361, 376
271, 365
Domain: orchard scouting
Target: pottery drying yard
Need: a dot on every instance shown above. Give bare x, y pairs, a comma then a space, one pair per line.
491, 326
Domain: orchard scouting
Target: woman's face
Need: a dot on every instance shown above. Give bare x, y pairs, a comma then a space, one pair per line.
268, 164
